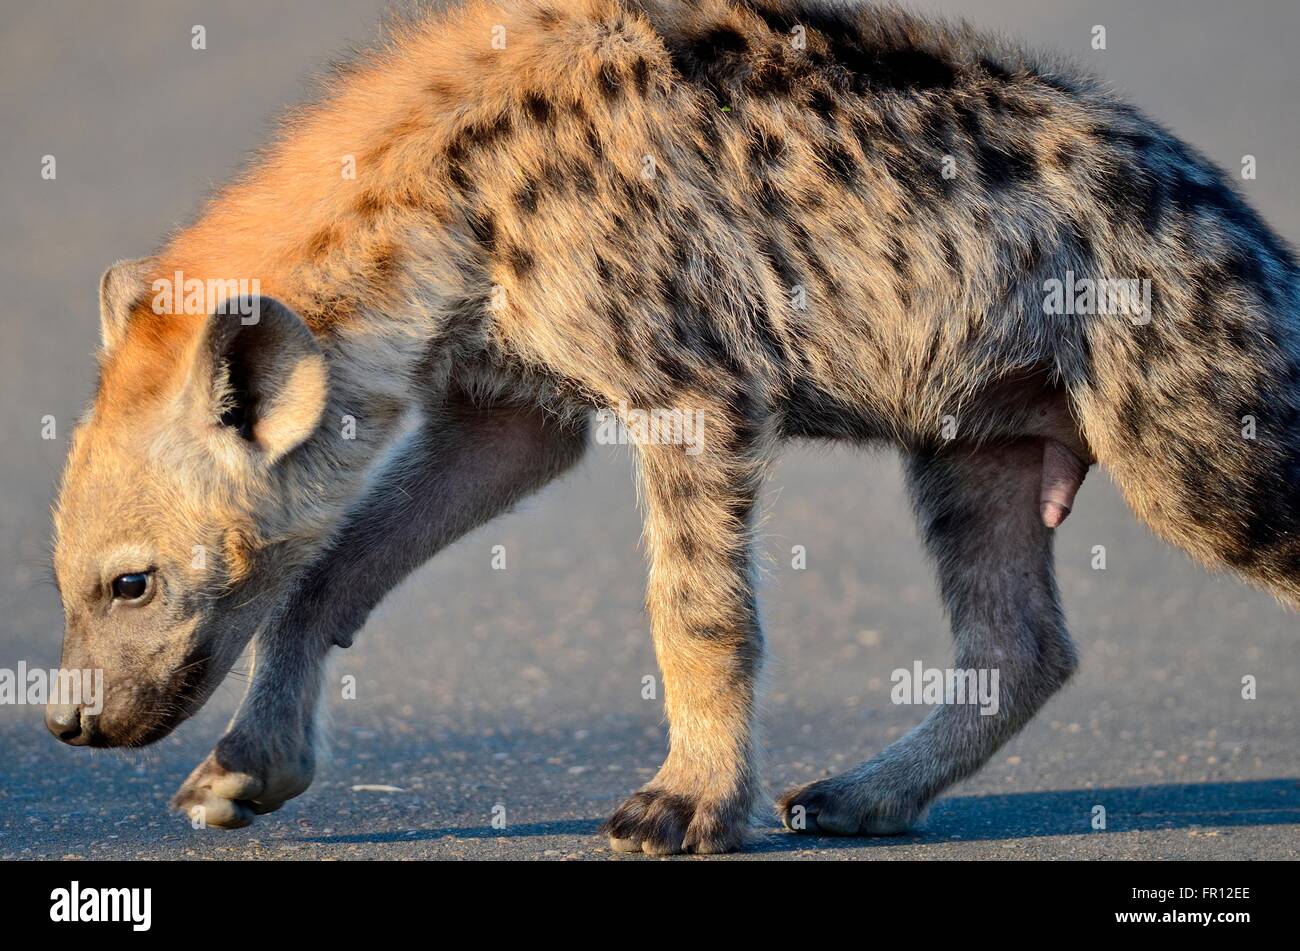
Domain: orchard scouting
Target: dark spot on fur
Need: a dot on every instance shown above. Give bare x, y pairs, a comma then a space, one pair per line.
936, 130
951, 256
912, 69
714, 346
1004, 168
603, 270
321, 243
900, 261
713, 59
641, 196
577, 110
770, 80
1010, 105
1133, 415
824, 104
841, 163
777, 19
385, 263
483, 226
538, 107
687, 546
887, 58
479, 135
1122, 139
995, 69
552, 180
723, 40
1238, 338
765, 150
814, 261
679, 375
527, 197
641, 75
1065, 155
369, 204
761, 326
773, 202
812, 413
616, 317
1129, 193
1000, 165
924, 185
521, 260
784, 266
456, 172
609, 82
592, 138
584, 179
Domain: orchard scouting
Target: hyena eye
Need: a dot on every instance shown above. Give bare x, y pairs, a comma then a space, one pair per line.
131, 587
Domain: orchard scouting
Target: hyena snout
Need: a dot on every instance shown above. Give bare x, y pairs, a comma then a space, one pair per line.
115, 705
71, 724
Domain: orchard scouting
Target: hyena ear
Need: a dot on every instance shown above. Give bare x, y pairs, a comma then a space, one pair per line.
260, 372
120, 289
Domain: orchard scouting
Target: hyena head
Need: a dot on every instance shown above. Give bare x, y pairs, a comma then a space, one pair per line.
182, 508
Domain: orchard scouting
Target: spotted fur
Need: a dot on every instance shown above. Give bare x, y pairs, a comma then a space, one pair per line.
733, 207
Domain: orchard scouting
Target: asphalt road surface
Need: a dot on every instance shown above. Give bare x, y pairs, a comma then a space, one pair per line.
517, 693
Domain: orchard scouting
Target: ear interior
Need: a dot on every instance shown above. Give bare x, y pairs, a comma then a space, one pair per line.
120, 289
266, 379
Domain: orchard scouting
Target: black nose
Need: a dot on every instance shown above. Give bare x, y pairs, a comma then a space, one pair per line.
65, 721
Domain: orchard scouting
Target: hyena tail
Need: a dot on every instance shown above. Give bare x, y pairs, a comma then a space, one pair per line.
1195, 411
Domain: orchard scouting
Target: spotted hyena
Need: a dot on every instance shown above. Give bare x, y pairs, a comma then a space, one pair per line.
785, 220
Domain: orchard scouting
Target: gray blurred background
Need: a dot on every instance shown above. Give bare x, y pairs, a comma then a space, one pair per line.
523, 687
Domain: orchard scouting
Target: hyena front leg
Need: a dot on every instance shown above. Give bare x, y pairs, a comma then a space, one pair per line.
699, 509
462, 467
979, 512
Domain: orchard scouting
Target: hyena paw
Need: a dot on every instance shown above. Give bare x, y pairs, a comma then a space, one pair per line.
240, 780
657, 821
845, 806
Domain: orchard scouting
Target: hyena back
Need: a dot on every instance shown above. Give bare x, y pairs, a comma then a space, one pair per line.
803, 221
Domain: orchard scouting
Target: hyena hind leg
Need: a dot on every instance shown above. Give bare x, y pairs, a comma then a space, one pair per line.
978, 511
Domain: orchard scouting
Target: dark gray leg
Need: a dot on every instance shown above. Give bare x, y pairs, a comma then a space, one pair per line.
979, 513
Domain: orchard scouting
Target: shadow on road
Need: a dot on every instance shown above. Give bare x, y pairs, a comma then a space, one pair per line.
522, 831
984, 818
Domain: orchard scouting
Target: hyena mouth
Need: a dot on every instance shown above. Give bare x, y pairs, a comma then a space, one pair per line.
187, 683
172, 705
